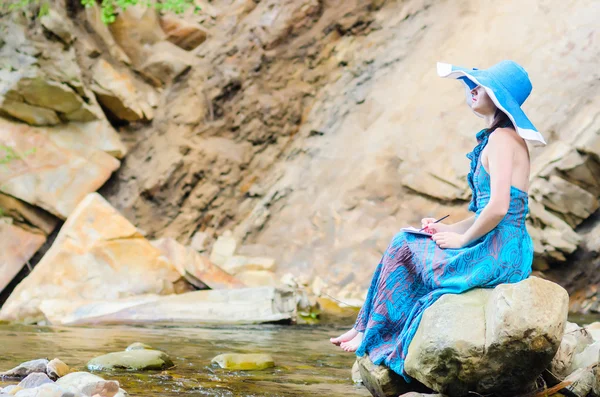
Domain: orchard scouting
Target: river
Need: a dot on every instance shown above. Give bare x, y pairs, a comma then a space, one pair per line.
306, 363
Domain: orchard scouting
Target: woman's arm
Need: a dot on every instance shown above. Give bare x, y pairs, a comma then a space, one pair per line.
462, 226
500, 159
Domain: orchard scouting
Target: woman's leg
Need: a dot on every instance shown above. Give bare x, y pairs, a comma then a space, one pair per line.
355, 334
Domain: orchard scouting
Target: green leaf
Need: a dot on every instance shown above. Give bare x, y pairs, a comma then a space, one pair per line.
44, 9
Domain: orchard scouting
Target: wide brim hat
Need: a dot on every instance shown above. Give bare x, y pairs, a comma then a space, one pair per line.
507, 84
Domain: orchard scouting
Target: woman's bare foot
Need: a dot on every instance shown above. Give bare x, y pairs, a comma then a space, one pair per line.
352, 345
348, 336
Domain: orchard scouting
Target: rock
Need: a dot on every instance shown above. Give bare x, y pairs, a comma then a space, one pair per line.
27, 215
116, 91
513, 333
570, 201
356, 373
49, 390
236, 306
17, 246
30, 114
97, 134
199, 241
257, 278
26, 368
59, 25
135, 30
415, 394
38, 100
244, 362
138, 346
34, 380
101, 256
194, 267
136, 360
442, 184
238, 263
89, 384
594, 330
223, 249
587, 358
57, 369
166, 62
10, 390
41, 83
596, 384
574, 341
383, 382
104, 389
182, 33
582, 382
93, 15
54, 175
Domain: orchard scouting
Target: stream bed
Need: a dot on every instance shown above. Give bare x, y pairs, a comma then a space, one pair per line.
306, 364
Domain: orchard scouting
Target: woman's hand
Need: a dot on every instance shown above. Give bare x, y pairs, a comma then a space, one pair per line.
449, 240
433, 228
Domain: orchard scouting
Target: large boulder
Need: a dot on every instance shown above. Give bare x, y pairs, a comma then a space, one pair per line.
118, 92
489, 340
52, 169
383, 382
234, 306
97, 255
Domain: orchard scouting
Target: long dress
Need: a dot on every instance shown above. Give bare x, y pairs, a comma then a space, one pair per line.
414, 272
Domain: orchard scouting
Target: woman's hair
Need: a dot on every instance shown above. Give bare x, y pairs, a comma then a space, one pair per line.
501, 120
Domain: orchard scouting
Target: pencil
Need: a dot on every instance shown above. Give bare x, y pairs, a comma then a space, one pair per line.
439, 220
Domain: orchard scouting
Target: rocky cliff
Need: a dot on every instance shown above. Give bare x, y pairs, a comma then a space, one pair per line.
311, 129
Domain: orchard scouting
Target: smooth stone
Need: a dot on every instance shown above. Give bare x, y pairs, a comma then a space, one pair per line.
57, 369
139, 346
91, 384
244, 362
26, 368
34, 380
489, 341
50, 390
11, 390
133, 360
588, 357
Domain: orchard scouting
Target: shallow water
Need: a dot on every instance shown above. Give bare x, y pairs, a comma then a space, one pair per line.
306, 363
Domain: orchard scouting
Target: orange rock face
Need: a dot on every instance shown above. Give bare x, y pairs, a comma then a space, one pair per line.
54, 172
97, 255
16, 247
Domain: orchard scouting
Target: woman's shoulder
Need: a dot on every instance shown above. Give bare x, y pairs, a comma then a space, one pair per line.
505, 136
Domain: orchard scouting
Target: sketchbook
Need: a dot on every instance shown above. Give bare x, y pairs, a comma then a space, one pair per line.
414, 230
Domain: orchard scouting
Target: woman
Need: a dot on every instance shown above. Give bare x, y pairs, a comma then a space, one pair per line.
487, 249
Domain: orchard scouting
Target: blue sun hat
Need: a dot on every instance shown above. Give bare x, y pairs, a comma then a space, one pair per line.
507, 85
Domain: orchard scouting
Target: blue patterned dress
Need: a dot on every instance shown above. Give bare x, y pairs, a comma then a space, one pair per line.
414, 272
